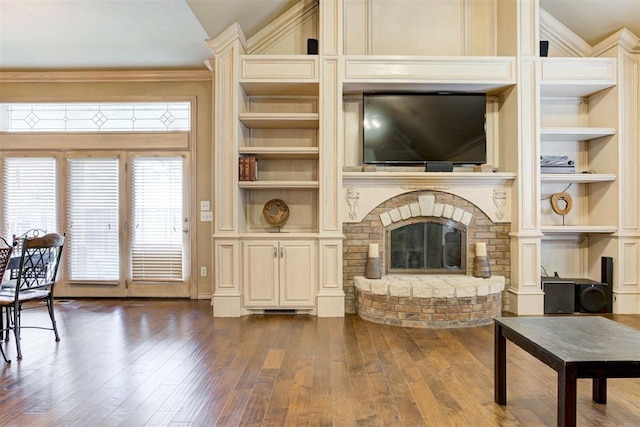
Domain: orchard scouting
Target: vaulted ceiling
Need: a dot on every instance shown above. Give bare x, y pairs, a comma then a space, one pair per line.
107, 34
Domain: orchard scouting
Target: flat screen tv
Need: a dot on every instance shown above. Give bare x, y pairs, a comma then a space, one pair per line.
420, 128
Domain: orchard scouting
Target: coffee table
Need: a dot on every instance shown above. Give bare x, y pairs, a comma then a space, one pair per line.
575, 346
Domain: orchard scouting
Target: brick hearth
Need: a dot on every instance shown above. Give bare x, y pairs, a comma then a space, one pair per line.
429, 301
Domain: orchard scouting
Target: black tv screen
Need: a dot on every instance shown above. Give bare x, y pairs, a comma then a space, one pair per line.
412, 128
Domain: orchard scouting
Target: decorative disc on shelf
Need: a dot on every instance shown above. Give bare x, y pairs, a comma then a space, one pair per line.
561, 203
276, 212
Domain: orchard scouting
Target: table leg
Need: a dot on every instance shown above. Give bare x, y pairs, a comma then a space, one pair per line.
600, 390
500, 365
567, 387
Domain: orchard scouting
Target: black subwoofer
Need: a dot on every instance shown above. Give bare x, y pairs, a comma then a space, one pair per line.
592, 297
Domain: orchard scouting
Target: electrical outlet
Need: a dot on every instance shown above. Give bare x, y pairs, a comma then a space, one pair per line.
205, 205
203, 271
206, 216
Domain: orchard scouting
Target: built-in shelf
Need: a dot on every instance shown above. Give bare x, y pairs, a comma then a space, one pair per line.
574, 134
578, 178
275, 233
280, 120
268, 185
403, 73
281, 152
280, 88
578, 229
468, 178
577, 90
279, 74
578, 77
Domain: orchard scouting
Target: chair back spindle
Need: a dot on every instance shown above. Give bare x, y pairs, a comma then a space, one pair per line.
39, 261
5, 254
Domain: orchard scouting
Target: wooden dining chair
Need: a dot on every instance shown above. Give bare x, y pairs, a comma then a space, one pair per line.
35, 282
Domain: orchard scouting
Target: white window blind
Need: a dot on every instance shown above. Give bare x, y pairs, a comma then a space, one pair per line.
157, 243
29, 200
92, 219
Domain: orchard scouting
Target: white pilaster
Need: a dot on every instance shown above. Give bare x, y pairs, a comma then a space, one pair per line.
227, 294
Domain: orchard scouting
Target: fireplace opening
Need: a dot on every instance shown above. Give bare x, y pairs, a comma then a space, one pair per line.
422, 245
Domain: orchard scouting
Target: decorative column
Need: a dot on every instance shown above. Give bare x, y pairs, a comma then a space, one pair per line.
624, 245
525, 293
330, 139
227, 294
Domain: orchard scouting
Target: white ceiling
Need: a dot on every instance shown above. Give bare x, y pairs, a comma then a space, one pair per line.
108, 34
593, 20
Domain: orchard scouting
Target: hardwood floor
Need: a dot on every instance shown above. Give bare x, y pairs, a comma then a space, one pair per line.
169, 362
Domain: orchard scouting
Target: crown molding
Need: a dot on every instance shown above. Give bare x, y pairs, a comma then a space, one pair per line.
561, 37
226, 37
300, 13
622, 38
111, 76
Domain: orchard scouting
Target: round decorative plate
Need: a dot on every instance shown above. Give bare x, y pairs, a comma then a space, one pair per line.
276, 212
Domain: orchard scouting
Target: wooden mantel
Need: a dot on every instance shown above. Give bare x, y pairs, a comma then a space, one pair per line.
491, 192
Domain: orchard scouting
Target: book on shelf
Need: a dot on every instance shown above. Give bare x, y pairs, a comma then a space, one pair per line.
248, 168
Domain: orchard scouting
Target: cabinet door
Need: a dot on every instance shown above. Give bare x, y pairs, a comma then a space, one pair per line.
298, 277
260, 273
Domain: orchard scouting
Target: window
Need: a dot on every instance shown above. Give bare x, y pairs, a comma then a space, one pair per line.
157, 237
92, 244
96, 117
29, 187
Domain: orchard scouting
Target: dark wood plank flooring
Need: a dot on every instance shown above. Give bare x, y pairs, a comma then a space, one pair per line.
170, 363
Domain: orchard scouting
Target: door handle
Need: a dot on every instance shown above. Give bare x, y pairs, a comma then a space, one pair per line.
281, 252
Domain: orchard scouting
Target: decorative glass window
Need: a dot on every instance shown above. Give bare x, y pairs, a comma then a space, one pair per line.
95, 117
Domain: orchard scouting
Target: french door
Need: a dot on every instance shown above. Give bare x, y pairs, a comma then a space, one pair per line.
125, 216
157, 226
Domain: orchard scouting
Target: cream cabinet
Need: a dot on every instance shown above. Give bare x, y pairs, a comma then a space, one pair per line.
278, 122
279, 274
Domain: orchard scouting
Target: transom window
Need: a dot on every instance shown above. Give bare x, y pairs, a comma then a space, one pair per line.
95, 117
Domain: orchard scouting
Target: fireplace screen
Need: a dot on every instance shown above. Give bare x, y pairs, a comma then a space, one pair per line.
434, 246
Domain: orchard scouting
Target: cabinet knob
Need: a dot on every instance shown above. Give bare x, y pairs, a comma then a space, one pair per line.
281, 252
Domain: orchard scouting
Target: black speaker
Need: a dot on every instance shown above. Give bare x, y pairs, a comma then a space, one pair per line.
592, 297
544, 48
439, 167
312, 46
559, 295
606, 270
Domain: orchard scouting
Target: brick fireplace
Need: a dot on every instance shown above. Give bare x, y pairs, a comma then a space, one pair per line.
430, 309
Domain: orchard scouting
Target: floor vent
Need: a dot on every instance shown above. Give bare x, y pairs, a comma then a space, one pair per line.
279, 311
